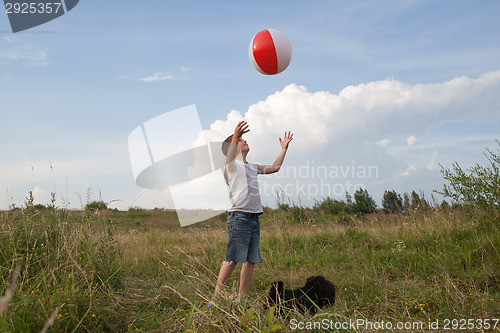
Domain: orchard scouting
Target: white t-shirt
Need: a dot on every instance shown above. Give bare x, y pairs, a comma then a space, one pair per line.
244, 194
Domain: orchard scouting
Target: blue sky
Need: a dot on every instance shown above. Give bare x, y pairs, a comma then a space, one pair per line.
400, 85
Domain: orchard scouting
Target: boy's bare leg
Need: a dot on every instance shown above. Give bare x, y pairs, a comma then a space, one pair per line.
245, 278
224, 274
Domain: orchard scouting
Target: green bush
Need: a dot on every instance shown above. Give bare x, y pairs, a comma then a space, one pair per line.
331, 206
478, 186
363, 202
392, 202
96, 205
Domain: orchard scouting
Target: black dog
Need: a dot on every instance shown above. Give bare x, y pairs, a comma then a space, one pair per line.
318, 292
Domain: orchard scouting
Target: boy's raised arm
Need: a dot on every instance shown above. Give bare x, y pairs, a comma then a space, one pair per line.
232, 151
268, 169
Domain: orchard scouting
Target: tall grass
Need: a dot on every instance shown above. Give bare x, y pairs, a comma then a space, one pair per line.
138, 271
67, 263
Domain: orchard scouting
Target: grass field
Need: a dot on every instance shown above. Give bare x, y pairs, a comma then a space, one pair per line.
138, 271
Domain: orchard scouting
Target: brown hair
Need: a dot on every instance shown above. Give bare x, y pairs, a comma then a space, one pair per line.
226, 144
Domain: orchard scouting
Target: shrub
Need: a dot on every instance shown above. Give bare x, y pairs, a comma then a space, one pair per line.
331, 206
363, 202
96, 205
478, 186
392, 202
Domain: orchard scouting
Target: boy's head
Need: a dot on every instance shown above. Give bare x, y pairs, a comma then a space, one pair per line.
242, 145
226, 144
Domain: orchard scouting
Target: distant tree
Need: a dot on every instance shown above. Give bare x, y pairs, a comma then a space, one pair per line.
418, 201
392, 202
29, 202
39, 206
406, 202
331, 206
349, 204
415, 200
363, 202
478, 186
96, 205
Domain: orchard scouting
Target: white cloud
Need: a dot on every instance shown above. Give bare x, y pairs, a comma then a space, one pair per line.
409, 171
433, 161
412, 141
159, 76
39, 195
383, 143
366, 111
358, 123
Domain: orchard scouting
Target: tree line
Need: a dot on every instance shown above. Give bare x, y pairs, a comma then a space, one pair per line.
477, 187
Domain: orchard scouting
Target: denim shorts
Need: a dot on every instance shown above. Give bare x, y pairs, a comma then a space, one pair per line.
243, 230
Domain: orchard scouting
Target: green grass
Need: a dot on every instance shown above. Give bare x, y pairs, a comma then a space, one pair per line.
138, 271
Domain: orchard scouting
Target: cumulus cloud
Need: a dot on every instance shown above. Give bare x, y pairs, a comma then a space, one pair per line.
358, 123
367, 111
412, 141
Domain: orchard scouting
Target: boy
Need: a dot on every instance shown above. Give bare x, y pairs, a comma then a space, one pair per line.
243, 225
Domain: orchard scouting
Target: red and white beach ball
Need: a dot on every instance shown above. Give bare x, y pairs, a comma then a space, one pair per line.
270, 52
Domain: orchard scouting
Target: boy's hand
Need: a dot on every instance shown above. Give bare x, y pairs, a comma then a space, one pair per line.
240, 129
268, 169
286, 140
